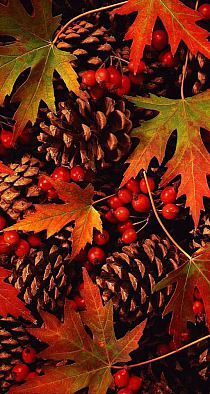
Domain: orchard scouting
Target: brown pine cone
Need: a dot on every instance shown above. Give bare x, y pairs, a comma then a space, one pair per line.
44, 277
92, 133
18, 192
128, 277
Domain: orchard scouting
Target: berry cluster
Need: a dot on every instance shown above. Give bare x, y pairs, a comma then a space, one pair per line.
127, 384
75, 174
11, 242
168, 197
21, 372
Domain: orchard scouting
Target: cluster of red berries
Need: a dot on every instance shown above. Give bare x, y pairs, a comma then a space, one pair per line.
11, 241
7, 141
75, 174
168, 197
21, 372
159, 43
127, 384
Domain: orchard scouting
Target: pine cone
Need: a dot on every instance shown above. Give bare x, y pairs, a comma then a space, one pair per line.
44, 278
86, 39
13, 339
18, 192
87, 132
128, 277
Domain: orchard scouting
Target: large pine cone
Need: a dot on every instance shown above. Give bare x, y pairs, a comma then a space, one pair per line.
92, 133
128, 277
44, 278
86, 39
18, 192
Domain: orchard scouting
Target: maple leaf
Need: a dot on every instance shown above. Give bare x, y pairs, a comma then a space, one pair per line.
191, 159
10, 304
5, 169
93, 355
53, 217
32, 48
193, 273
178, 19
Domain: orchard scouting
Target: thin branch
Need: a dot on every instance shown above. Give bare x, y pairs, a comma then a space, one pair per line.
153, 360
160, 222
109, 7
103, 199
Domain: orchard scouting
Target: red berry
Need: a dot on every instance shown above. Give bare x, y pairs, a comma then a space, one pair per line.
159, 39
115, 78
5, 249
11, 237
124, 226
96, 92
32, 375
89, 78
101, 239
110, 217
136, 79
102, 75
125, 390
77, 174
20, 372
129, 236
141, 67
198, 307
170, 211
61, 174
135, 383
44, 184
73, 305
132, 185
168, 60
121, 378
143, 186
114, 202
3, 222
125, 86
96, 255
35, 241
52, 194
7, 139
141, 203
122, 214
162, 349
80, 303
22, 249
204, 9
168, 195
29, 355
197, 294
125, 196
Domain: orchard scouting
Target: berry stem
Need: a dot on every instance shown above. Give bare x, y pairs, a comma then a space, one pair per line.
119, 58
109, 7
160, 222
153, 360
103, 199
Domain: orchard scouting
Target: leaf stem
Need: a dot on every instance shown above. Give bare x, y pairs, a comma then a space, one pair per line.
85, 14
160, 222
153, 360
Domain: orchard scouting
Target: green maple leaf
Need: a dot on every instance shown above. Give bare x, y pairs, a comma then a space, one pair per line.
32, 48
191, 274
93, 355
191, 159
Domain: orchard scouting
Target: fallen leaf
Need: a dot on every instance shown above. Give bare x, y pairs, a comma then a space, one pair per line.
191, 159
93, 356
10, 304
32, 49
5, 169
78, 208
191, 274
178, 19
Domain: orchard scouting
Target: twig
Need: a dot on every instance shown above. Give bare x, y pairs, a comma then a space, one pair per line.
153, 360
160, 222
109, 7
